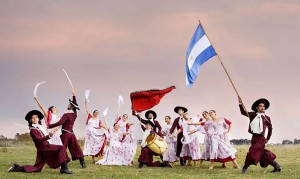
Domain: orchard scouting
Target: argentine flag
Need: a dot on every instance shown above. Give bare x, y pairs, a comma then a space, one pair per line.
199, 51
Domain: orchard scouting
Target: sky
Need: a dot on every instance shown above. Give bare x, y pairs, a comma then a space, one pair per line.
118, 47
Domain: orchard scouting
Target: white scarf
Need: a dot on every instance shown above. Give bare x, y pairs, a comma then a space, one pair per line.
257, 125
152, 120
70, 111
41, 128
180, 121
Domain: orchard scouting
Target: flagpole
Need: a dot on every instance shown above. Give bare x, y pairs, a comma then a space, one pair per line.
225, 70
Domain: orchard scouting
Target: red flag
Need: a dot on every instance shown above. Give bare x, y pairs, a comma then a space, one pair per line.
143, 100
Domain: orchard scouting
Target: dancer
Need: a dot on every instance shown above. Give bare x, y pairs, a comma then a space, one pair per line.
146, 157
68, 137
191, 145
51, 118
206, 147
178, 124
259, 121
220, 147
95, 139
129, 140
117, 152
52, 155
170, 154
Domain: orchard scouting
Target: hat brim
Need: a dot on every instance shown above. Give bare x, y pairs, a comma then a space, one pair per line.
180, 107
34, 112
150, 111
261, 100
74, 104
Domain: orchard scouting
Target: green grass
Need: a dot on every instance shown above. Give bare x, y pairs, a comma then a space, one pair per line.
287, 157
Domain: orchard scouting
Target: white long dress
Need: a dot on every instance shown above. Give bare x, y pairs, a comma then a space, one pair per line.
128, 140
117, 152
55, 139
95, 138
191, 148
217, 146
170, 154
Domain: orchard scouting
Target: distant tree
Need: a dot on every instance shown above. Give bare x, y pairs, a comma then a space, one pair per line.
296, 141
286, 142
2, 137
17, 136
240, 141
23, 137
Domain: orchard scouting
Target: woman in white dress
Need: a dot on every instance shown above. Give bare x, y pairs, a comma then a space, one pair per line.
117, 152
51, 117
129, 139
95, 139
170, 154
220, 147
191, 145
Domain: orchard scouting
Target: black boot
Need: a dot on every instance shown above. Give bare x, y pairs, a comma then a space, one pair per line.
245, 167
64, 169
181, 161
277, 167
16, 168
82, 162
141, 165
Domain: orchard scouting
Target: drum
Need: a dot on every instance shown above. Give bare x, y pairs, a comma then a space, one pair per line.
155, 145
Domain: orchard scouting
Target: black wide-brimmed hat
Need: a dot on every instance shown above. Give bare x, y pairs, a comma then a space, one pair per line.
34, 112
74, 104
150, 111
261, 100
149, 122
180, 107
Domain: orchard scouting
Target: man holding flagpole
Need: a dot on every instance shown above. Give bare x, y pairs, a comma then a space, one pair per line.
259, 122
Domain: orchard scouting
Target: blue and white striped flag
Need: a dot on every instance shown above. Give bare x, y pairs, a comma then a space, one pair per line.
199, 51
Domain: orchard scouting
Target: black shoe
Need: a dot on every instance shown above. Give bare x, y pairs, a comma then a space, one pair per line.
244, 169
182, 162
15, 168
141, 165
65, 171
82, 162
277, 167
276, 170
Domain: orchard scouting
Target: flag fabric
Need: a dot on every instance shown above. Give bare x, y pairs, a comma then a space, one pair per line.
199, 51
143, 100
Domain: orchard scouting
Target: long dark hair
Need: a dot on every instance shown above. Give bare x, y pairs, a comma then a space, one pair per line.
51, 109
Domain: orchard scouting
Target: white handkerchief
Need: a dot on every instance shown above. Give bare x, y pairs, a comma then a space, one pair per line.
105, 111
36, 87
120, 100
68, 78
87, 93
